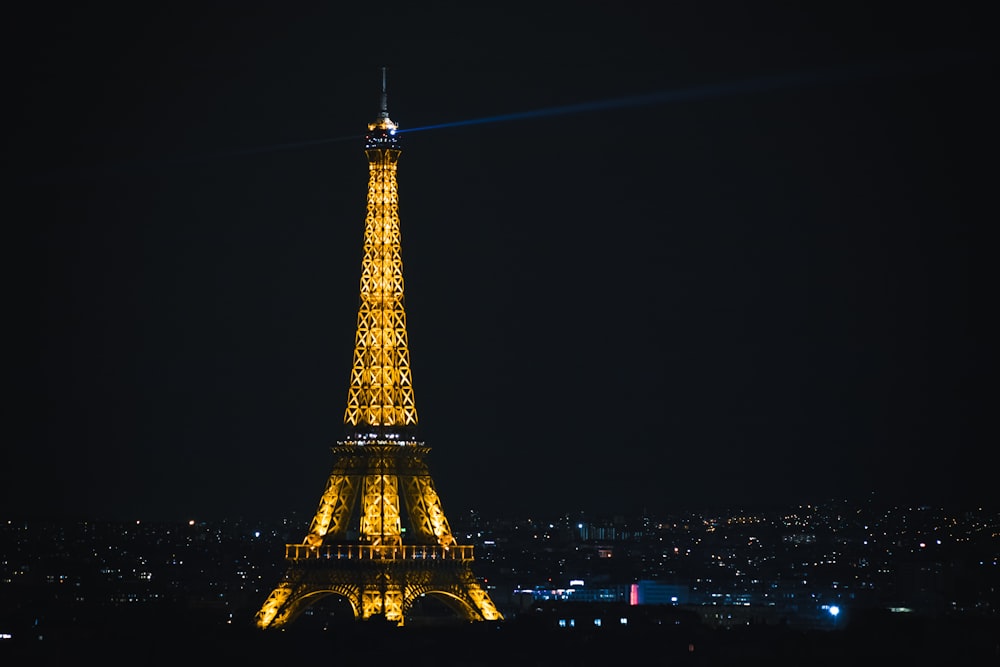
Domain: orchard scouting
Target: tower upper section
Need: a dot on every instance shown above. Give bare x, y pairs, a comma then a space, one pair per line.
382, 132
380, 396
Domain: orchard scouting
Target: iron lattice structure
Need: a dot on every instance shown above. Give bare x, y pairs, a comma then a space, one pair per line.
355, 545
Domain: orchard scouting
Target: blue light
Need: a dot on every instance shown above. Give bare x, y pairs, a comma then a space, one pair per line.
900, 67
834, 610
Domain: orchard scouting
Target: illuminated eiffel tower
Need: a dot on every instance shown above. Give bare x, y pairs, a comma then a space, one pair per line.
380, 463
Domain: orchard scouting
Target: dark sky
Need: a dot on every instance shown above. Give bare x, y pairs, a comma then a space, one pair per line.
758, 278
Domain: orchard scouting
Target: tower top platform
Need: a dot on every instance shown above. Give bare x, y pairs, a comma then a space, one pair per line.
382, 131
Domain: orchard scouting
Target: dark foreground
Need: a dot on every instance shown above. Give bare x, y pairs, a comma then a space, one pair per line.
876, 640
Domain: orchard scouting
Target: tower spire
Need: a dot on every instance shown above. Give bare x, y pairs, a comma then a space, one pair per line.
382, 132
384, 107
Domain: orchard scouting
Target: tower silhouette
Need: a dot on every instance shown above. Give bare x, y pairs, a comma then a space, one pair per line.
355, 546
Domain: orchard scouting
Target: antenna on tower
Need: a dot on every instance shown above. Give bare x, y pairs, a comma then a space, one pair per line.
382, 130
384, 108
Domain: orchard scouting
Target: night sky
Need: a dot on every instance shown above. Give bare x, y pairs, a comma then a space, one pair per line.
753, 273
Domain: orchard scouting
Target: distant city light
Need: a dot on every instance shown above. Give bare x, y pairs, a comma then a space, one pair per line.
834, 610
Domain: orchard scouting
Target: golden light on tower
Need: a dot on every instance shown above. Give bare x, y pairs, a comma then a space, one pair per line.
381, 388
380, 477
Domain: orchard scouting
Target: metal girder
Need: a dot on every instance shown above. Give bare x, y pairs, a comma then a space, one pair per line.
385, 588
381, 384
378, 574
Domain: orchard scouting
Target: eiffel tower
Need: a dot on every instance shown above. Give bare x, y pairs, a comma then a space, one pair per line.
355, 547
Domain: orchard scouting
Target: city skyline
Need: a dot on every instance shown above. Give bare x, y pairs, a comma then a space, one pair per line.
722, 259
842, 579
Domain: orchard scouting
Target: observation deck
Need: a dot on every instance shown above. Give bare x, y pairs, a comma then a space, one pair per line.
364, 552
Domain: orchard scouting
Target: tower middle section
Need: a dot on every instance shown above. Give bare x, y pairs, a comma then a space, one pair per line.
380, 394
